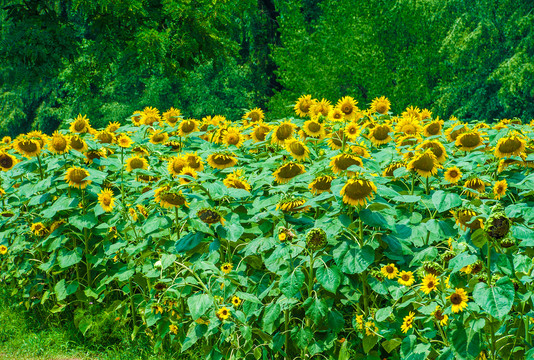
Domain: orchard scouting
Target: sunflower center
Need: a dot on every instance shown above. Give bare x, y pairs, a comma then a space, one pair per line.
222, 159
173, 199
438, 314
77, 176
347, 109
289, 171
424, 163
381, 132
323, 183
136, 163
390, 270
358, 189
509, 146
304, 106
405, 277
232, 139
408, 129
430, 284
106, 200
345, 161
29, 146
254, 116
284, 132
158, 137
314, 127
76, 143
453, 174
297, 149
353, 130
6, 161
433, 128
436, 149
59, 143
79, 125
188, 126
105, 137
456, 299
470, 140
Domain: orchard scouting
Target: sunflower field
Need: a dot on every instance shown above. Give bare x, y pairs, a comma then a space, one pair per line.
340, 233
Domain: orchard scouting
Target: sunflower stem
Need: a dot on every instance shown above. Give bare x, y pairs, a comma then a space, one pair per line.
311, 276
286, 333
365, 293
427, 187
132, 305
493, 352
344, 136
122, 177
40, 166
177, 222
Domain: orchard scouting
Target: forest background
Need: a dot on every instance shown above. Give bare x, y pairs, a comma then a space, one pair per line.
109, 58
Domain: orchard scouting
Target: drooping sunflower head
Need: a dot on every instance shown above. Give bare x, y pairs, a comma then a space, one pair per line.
476, 184
91, 155
27, 147
187, 171
210, 216
298, 150
469, 140
105, 137
498, 224
136, 162
440, 316
348, 106
172, 116
194, 161
455, 130
390, 170
79, 125
136, 117
360, 150
255, 115
292, 204
283, 132
507, 146
58, 143
187, 127
260, 131
380, 134
342, 162
106, 199
380, 105
236, 180
159, 137
466, 218
335, 139
78, 144
407, 322
233, 137
424, 163
437, 148
425, 114
113, 126
7, 161
176, 164
315, 239
150, 115
453, 174
169, 198
357, 191
303, 105
320, 108
314, 128
221, 160
321, 184
77, 177
288, 171
433, 128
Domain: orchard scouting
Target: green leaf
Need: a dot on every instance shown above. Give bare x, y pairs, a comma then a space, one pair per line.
407, 198
461, 260
87, 221
195, 332
478, 238
248, 297
67, 258
63, 290
188, 242
352, 259
316, 309
369, 342
234, 230
329, 278
496, 300
63, 203
85, 324
390, 345
199, 305
291, 283
167, 260
270, 316
383, 313
155, 223
444, 201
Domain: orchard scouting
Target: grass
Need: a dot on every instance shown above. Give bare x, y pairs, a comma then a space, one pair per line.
37, 335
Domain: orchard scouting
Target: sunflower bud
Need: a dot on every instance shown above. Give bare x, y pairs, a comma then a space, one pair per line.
316, 239
498, 224
377, 274
507, 242
431, 267
448, 255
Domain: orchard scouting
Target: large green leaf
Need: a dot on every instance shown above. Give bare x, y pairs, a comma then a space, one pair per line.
444, 201
496, 300
291, 283
199, 305
329, 277
67, 258
352, 259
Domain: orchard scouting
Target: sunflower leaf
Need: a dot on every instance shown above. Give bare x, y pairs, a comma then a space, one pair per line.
496, 300
329, 278
444, 201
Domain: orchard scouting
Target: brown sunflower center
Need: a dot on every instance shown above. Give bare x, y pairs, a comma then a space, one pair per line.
6, 161
424, 163
232, 138
158, 137
347, 108
222, 159
77, 176
79, 125
314, 127
390, 269
284, 131
358, 190
345, 161
509, 146
254, 116
453, 174
323, 183
59, 143
297, 149
456, 299
470, 140
433, 128
430, 284
29, 146
289, 171
106, 200
173, 199
188, 126
105, 137
136, 163
304, 106
76, 143
381, 132
405, 277
381, 107
438, 315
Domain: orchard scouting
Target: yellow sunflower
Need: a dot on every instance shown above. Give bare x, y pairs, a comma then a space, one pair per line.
159, 137
79, 125
429, 283
77, 177
194, 161
513, 144
236, 180
221, 160
136, 117
352, 131
232, 136
433, 128
407, 322
90, 155
6, 140
389, 171
360, 150
335, 140
78, 144
499, 189
440, 316
150, 115
105, 137
136, 162
260, 131
475, 184
223, 313
58, 143
176, 164
172, 116
187, 127
297, 149
314, 129
106, 199
303, 105
255, 115
27, 147
406, 278
321, 184
342, 162
226, 268
113, 126
236, 301
380, 105
424, 163
39, 229
292, 205
288, 171
380, 134
437, 148
455, 130
3, 249
336, 115
458, 300
390, 271
124, 141
408, 126
318, 108
189, 171
412, 112
7, 161
283, 132
453, 175
168, 198
469, 140
425, 114
358, 191
464, 219
348, 106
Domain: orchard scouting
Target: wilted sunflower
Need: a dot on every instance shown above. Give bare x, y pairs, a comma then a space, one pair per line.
232, 136
283, 132
27, 147
79, 125
159, 137
455, 130
38, 229
335, 139
314, 129
499, 189
342, 162
358, 191
464, 219
440, 316
210, 216
475, 184
106, 199
424, 163
390, 271
407, 322
303, 105
260, 131
380, 105
292, 205
408, 126
124, 141
406, 278
336, 115
150, 115
513, 144
318, 108
433, 128
77, 177
58, 143
380, 134
236, 180
168, 198
348, 106
7, 161
288, 171
469, 140
429, 283
315, 239
188, 171
221, 160
255, 115
172, 116
458, 300
78, 144
223, 313
297, 149
453, 175
187, 127
105, 137
136, 162
321, 184
437, 148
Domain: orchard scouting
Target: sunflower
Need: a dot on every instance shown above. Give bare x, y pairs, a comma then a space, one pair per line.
223, 313
469, 140
3, 249
390, 170
142, 210
407, 141
260, 131
27, 147
437, 148
210, 216
283, 132
358, 191
407, 322
352, 130
194, 161
314, 129
150, 115
236, 180
321, 184
6, 140
38, 229
58, 143
360, 150
188, 171
133, 214
380, 105
408, 126
380, 134
453, 175
79, 125
77, 177
433, 128
221, 160
187, 127
455, 130
124, 141
90, 155
342, 162
136, 117
336, 115
297, 149
430, 283
347, 105
318, 108
458, 300
136, 162
168, 198
390, 271
7, 161
78, 144
255, 115
464, 219
106, 199
172, 116
288, 171
475, 184
412, 112
105, 137
232, 136
499, 189
292, 205
510, 145
440, 316
226, 268
406, 278
159, 137
113, 126
303, 105
424, 163
335, 139
236, 301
